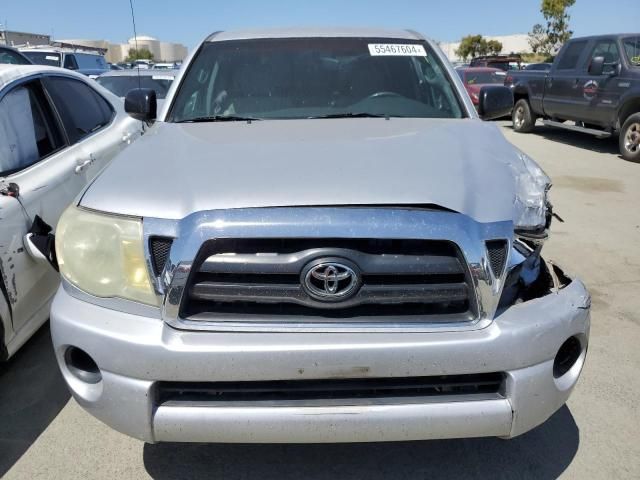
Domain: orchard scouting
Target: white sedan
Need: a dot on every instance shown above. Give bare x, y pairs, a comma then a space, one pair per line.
58, 130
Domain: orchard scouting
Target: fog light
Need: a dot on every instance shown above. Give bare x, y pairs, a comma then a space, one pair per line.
82, 366
566, 357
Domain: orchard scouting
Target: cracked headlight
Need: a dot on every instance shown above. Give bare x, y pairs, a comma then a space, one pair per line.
103, 255
531, 203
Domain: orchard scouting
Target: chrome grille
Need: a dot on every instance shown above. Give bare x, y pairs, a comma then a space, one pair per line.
252, 279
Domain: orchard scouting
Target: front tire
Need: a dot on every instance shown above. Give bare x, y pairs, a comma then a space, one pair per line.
522, 117
629, 141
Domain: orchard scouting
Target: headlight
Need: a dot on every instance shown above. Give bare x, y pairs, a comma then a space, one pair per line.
532, 186
103, 255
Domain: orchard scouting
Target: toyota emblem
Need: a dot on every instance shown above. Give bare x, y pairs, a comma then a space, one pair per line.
330, 281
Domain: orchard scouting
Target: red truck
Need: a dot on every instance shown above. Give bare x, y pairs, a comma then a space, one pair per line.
474, 78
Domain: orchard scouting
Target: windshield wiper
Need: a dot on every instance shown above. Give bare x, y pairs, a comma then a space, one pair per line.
219, 118
351, 115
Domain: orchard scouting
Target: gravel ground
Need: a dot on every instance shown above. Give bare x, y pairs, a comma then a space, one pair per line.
45, 434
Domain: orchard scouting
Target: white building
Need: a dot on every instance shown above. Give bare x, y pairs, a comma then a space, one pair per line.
518, 43
118, 52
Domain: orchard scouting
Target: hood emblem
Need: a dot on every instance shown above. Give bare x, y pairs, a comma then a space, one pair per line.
330, 281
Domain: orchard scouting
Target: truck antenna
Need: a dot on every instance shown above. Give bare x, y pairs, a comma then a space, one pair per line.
135, 39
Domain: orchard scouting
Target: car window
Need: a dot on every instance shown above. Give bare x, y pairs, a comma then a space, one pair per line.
82, 110
120, 85
538, 66
315, 77
571, 55
632, 50
11, 57
91, 62
28, 131
609, 51
70, 62
482, 78
52, 59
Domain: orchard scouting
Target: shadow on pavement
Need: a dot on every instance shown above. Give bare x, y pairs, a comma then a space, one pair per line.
32, 393
543, 453
580, 140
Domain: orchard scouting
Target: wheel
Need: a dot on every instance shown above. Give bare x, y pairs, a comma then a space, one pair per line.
523, 120
630, 139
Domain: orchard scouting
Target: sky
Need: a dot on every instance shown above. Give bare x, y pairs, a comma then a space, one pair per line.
189, 21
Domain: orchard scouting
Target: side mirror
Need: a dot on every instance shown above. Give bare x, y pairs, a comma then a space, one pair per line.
495, 101
141, 104
596, 67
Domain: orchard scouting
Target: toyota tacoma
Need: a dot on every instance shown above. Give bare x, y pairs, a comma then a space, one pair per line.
318, 240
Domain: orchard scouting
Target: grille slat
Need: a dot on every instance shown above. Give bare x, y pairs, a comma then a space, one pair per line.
373, 264
269, 293
249, 279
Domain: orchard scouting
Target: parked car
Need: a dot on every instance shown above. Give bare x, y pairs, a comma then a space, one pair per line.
474, 78
89, 63
142, 64
113, 66
58, 129
503, 62
165, 66
121, 82
317, 241
12, 56
538, 67
594, 82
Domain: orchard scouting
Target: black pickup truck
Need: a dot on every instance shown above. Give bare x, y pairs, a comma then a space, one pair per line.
594, 82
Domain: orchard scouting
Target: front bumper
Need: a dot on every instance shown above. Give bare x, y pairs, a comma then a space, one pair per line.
135, 352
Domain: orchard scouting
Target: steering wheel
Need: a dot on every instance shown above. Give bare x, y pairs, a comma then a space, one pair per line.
383, 94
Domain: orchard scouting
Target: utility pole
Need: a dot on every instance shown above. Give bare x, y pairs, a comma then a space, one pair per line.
3, 28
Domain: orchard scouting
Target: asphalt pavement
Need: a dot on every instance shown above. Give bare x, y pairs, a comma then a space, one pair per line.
45, 434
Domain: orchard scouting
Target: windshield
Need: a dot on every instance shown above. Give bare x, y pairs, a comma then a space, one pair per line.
51, 59
632, 49
483, 78
121, 85
315, 77
9, 56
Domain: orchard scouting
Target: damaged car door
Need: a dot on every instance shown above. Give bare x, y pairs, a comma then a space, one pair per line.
56, 134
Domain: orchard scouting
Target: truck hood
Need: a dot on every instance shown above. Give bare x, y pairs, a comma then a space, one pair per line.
178, 169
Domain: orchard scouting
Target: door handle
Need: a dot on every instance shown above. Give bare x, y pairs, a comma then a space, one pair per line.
126, 137
82, 164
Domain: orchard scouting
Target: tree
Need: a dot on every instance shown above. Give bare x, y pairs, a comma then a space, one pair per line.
471, 46
555, 13
141, 54
538, 40
474, 45
494, 47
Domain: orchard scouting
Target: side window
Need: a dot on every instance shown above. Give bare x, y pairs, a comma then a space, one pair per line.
7, 56
28, 131
82, 110
70, 62
571, 54
609, 50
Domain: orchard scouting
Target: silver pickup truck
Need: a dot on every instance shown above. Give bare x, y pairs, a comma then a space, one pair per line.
318, 240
